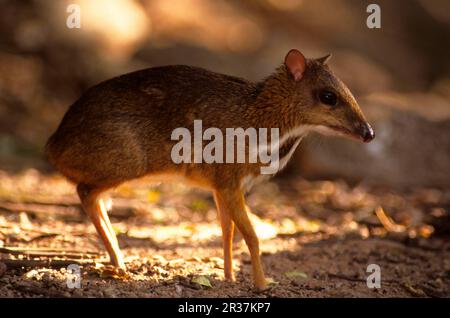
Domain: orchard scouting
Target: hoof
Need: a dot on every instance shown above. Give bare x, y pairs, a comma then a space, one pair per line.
230, 279
261, 287
115, 272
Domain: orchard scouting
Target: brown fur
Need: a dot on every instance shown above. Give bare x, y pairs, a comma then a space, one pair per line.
121, 129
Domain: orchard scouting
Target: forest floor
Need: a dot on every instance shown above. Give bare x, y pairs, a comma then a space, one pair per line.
317, 240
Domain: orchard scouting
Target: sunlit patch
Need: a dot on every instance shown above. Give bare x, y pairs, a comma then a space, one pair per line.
264, 229
230, 30
118, 25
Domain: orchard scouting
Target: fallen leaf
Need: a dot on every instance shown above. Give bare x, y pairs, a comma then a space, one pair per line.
271, 281
202, 280
295, 274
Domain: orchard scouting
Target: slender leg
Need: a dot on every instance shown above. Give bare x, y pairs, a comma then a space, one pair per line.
227, 225
93, 207
105, 218
232, 201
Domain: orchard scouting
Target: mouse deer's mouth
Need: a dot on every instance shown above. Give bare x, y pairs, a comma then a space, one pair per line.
335, 130
364, 132
340, 130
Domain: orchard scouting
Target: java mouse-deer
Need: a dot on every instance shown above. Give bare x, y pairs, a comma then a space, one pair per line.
121, 129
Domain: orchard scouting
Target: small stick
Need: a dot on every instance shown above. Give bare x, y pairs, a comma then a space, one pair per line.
387, 222
38, 208
62, 201
48, 252
123, 209
25, 229
46, 249
13, 263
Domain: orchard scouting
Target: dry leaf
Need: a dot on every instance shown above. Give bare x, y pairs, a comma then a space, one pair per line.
202, 280
295, 274
271, 281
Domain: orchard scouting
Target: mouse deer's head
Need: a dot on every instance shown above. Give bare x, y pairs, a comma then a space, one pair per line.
324, 102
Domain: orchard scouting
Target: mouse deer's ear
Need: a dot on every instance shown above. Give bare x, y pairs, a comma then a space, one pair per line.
324, 60
296, 63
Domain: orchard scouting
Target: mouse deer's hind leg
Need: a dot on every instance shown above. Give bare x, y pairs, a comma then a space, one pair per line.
105, 217
227, 225
232, 203
96, 210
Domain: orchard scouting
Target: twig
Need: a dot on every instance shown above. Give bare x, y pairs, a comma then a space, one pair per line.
19, 263
37, 252
38, 208
43, 236
387, 222
26, 229
44, 233
122, 208
61, 201
46, 249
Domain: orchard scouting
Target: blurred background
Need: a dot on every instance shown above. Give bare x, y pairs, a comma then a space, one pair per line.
400, 73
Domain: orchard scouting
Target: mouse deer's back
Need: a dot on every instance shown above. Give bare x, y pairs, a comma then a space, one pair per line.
121, 129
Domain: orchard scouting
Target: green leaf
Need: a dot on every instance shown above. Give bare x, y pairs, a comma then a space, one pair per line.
202, 280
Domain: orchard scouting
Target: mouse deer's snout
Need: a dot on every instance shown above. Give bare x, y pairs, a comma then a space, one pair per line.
366, 132
357, 124
352, 118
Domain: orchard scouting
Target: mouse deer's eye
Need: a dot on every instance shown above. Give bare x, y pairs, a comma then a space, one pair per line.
328, 98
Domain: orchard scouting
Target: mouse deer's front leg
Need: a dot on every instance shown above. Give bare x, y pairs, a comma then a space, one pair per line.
231, 206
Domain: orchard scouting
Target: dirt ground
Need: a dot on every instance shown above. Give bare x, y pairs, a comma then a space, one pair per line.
317, 239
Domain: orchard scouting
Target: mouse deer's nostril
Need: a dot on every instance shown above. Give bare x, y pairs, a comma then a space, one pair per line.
367, 133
